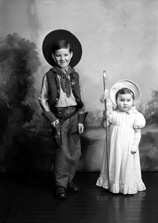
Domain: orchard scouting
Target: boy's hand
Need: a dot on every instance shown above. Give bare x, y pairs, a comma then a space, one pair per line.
56, 122
57, 134
80, 128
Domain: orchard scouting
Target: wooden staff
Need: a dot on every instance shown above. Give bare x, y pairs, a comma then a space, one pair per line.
106, 142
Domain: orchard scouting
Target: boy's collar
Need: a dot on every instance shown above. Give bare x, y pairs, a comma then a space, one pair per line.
63, 71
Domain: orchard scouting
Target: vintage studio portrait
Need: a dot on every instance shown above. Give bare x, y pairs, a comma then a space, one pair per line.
78, 111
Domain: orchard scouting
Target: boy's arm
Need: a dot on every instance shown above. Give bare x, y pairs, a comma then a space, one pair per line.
81, 112
137, 138
43, 100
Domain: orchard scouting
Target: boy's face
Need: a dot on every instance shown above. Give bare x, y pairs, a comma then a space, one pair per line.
125, 102
62, 57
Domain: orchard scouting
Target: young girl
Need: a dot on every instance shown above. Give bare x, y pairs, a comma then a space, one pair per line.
121, 171
62, 105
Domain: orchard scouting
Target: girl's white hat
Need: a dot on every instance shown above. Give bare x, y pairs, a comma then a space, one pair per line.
125, 84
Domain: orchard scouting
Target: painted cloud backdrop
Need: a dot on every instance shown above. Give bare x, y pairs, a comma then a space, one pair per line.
120, 37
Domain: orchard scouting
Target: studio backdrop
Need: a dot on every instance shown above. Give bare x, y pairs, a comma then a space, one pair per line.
120, 37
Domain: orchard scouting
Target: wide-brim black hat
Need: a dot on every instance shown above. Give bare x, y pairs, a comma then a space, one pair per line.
61, 34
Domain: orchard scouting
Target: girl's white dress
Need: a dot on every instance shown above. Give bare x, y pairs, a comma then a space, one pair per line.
124, 167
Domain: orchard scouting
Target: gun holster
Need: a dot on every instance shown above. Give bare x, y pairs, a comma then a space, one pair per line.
57, 134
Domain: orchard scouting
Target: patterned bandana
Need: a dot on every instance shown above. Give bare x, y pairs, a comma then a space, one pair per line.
65, 80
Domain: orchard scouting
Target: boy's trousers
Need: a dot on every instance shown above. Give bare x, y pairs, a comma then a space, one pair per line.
66, 156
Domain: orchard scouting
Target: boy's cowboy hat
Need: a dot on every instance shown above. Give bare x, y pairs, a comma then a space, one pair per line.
61, 34
125, 84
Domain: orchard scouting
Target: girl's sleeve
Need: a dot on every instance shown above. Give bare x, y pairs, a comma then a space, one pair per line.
139, 121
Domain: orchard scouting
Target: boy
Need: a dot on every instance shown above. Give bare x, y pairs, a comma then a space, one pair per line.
62, 105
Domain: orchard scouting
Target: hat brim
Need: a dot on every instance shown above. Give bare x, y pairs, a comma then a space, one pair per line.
125, 84
61, 34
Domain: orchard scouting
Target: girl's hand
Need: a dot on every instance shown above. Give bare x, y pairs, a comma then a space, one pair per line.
80, 128
134, 149
104, 114
104, 123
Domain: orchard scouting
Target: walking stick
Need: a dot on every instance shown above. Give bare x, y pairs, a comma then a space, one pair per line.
106, 142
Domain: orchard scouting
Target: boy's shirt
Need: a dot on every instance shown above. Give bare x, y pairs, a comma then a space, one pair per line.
63, 101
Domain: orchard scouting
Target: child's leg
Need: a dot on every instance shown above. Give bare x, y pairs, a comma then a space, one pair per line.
62, 158
67, 156
74, 146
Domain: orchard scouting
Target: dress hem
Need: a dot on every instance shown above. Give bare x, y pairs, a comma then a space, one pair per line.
128, 188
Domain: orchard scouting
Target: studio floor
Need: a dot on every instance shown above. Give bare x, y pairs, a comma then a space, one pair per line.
22, 201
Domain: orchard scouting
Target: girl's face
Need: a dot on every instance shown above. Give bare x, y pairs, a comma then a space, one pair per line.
62, 57
125, 102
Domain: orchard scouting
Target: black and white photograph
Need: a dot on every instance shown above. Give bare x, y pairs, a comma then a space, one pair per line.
78, 111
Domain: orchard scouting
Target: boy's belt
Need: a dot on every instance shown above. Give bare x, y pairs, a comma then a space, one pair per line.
65, 112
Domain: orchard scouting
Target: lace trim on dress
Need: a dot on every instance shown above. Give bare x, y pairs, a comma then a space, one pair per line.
132, 188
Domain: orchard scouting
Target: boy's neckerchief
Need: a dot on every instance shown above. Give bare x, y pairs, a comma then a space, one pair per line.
65, 80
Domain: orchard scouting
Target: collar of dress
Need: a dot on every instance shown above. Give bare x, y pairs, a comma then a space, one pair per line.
133, 110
